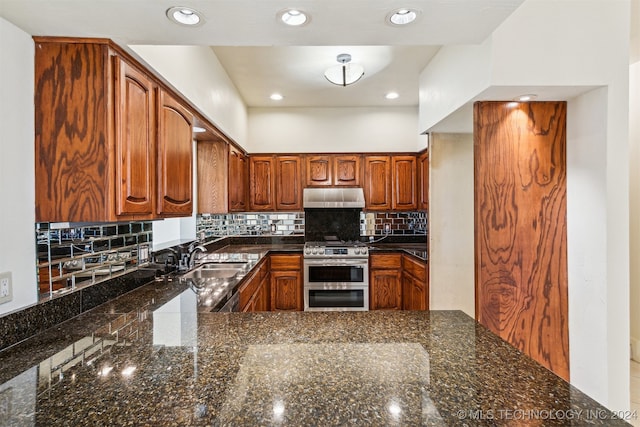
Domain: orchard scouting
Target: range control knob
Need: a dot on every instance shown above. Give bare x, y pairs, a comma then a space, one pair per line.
307, 251
363, 251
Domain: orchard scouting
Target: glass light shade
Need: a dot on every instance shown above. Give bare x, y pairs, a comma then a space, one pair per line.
344, 74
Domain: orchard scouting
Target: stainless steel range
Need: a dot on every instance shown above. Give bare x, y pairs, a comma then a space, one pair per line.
336, 276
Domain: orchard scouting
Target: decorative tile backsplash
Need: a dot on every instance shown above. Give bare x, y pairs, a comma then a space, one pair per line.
72, 257
277, 224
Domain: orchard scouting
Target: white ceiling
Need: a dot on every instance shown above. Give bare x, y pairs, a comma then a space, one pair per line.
263, 56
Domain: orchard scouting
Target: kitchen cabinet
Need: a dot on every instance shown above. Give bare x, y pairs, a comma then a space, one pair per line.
385, 282
377, 183
175, 154
238, 180
262, 182
404, 195
338, 170
423, 181
212, 163
415, 284
286, 282
254, 293
288, 183
111, 143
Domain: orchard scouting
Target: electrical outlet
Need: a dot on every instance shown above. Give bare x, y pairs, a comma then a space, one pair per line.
387, 228
6, 291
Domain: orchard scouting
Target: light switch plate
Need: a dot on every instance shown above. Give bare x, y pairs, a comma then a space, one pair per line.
6, 289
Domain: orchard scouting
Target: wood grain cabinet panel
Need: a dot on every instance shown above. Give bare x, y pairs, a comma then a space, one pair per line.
423, 181
521, 227
289, 183
377, 182
347, 170
134, 94
238, 180
262, 182
415, 284
286, 283
175, 153
385, 282
404, 194
212, 164
318, 170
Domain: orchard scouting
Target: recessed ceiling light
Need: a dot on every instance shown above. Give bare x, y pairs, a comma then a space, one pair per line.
528, 97
184, 16
402, 16
392, 95
293, 17
276, 97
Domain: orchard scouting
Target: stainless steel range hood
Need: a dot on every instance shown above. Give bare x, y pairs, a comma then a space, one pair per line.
333, 198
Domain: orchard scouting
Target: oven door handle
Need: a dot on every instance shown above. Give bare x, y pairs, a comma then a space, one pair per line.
331, 263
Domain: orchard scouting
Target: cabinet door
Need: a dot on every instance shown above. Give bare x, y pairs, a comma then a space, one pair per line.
262, 296
289, 183
262, 183
175, 154
414, 295
377, 182
385, 290
319, 171
423, 181
347, 170
134, 137
286, 291
212, 161
404, 193
238, 180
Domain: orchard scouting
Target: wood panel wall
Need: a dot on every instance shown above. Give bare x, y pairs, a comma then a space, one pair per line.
521, 227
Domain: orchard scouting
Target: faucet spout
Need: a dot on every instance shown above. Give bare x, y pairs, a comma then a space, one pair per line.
193, 251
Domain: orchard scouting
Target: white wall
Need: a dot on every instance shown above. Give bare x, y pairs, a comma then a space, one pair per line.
634, 201
561, 44
451, 225
196, 73
17, 182
587, 237
318, 130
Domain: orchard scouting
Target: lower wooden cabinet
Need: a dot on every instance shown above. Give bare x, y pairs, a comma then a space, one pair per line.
415, 284
254, 293
286, 282
385, 282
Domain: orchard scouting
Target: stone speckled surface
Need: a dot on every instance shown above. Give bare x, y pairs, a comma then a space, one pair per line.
151, 358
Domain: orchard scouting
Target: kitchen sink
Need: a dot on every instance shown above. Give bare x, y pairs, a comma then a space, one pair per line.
215, 270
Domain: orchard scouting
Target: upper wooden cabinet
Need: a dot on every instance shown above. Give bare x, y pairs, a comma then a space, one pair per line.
423, 181
275, 183
238, 180
404, 195
212, 159
111, 145
262, 182
338, 170
377, 182
288, 183
135, 104
175, 154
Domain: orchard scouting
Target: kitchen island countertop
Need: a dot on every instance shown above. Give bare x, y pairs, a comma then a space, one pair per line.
150, 358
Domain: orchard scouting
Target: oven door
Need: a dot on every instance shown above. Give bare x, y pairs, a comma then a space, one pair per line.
336, 285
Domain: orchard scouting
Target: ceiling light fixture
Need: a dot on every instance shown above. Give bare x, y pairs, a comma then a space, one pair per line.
198, 129
276, 97
184, 16
293, 17
346, 73
402, 16
392, 95
528, 97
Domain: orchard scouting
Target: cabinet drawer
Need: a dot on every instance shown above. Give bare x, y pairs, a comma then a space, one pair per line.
390, 261
285, 262
415, 268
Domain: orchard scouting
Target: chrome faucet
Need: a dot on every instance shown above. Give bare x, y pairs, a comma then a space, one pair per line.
193, 250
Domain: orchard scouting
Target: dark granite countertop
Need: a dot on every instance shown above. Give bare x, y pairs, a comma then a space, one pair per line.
150, 358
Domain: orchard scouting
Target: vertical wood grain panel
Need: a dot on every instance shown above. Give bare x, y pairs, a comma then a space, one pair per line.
212, 158
377, 182
72, 155
520, 227
289, 183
